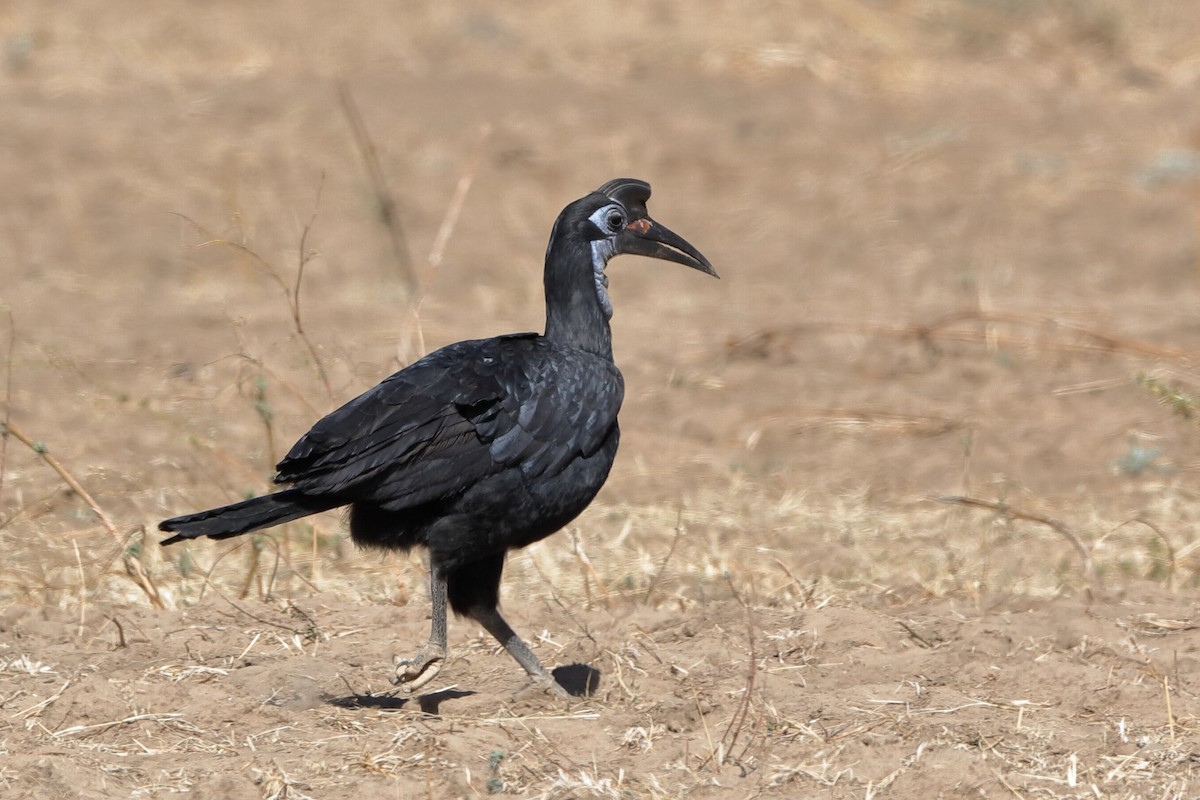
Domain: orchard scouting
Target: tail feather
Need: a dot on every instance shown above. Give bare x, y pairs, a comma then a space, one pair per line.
246, 516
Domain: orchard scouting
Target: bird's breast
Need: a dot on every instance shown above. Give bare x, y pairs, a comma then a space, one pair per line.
560, 498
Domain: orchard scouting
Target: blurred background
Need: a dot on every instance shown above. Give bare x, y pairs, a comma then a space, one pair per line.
952, 235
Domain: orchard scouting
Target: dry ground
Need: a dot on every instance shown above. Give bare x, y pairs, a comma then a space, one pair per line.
952, 235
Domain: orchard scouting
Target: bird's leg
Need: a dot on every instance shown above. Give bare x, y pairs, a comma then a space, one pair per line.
489, 617
414, 672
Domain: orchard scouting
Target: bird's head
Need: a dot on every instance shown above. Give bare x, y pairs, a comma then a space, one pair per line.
613, 220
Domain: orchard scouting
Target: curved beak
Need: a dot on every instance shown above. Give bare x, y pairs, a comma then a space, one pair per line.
645, 237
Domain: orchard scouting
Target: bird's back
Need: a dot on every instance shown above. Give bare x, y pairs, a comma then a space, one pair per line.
463, 414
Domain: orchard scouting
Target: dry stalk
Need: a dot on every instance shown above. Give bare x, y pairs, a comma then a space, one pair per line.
133, 565
213, 567
304, 256
267, 415
916, 637
252, 567
1171, 555
587, 572
450, 219
679, 530
943, 329
580, 559
314, 566
807, 417
384, 199
1012, 512
291, 291
1099, 340
122, 643
82, 589
8, 363
292, 294
736, 723
712, 748
312, 632
41, 705
445, 230
285, 554
76, 730
806, 592
279, 380
1170, 713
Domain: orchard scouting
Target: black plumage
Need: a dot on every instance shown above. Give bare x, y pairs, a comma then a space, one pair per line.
482, 446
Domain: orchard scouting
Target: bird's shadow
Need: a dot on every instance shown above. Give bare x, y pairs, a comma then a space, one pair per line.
580, 680
428, 703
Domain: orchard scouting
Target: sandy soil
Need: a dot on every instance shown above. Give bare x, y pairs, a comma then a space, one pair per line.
241, 699
953, 237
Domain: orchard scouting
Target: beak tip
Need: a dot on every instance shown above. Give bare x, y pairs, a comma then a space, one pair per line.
646, 237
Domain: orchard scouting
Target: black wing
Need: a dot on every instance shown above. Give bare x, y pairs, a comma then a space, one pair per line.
456, 416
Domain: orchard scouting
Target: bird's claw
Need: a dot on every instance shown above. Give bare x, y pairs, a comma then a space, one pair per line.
413, 673
547, 684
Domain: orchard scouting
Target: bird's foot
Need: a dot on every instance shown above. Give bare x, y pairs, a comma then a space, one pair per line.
424, 665
546, 683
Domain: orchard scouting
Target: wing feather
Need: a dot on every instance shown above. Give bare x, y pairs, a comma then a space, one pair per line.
456, 416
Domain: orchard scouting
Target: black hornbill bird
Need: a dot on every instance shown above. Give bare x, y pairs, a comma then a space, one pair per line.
482, 446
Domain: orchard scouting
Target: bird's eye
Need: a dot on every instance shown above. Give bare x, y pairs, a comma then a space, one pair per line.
609, 220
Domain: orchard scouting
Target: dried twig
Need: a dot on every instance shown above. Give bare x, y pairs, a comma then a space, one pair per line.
293, 296
806, 592
1170, 712
453, 210
8, 362
290, 629
76, 730
947, 328
667, 558
803, 418
449, 221
732, 732
916, 637
133, 565
1085, 554
1171, 556
587, 572
39, 706
291, 291
737, 722
384, 199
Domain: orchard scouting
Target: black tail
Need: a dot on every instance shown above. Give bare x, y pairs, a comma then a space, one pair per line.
246, 516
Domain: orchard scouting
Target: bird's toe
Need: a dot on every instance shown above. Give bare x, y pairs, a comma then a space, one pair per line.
545, 684
556, 690
413, 673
